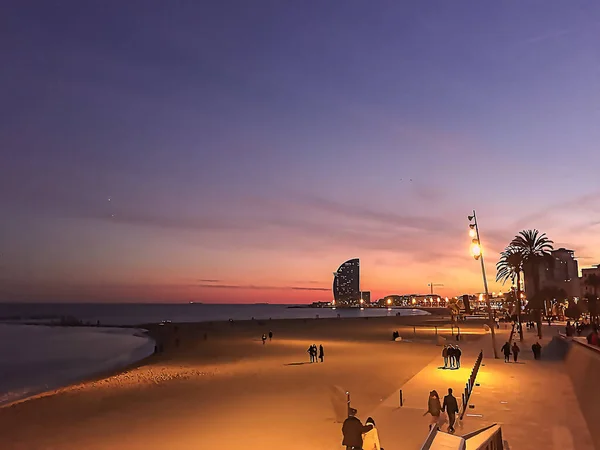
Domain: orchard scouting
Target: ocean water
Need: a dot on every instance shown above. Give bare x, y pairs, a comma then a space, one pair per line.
34, 359
140, 313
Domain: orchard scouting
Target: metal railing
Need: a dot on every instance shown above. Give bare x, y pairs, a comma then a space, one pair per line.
470, 384
488, 438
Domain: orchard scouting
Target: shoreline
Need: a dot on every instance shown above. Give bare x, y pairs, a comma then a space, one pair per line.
187, 393
100, 369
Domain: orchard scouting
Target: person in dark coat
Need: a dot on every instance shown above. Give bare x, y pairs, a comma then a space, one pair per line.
457, 355
352, 430
445, 355
506, 350
515, 351
451, 407
270, 335
452, 356
321, 353
537, 350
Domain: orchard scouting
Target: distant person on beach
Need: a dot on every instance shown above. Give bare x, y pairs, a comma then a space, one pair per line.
515, 351
445, 356
537, 350
264, 338
353, 431
371, 438
270, 335
315, 352
321, 353
434, 408
310, 352
451, 407
506, 350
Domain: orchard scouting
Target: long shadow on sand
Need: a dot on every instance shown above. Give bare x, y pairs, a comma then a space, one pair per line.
297, 364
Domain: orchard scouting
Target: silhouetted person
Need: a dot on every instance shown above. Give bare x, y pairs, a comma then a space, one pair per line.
457, 355
352, 430
311, 354
451, 407
264, 338
506, 350
321, 353
452, 356
434, 408
445, 355
270, 335
515, 351
537, 350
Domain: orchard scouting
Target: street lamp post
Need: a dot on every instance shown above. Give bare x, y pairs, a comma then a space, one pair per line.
478, 254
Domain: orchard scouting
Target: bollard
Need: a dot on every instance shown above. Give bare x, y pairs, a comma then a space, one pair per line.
415, 331
401, 399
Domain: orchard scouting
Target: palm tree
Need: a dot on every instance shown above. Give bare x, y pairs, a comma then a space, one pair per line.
509, 267
592, 280
536, 248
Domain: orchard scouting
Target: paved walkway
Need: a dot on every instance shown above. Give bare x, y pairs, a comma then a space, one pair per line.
516, 396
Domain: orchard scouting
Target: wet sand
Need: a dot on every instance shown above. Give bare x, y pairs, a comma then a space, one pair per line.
229, 391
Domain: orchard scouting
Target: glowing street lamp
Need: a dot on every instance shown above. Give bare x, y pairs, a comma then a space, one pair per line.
477, 253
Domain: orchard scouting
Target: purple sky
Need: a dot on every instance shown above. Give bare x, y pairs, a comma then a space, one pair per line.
259, 144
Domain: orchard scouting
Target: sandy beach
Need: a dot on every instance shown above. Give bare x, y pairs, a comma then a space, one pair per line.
229, 391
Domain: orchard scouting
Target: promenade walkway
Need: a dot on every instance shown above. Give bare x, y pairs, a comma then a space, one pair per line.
533, 401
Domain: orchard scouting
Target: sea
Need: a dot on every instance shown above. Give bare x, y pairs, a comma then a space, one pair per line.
35, 358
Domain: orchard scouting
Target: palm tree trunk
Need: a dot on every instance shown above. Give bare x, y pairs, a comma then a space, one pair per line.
536, 287
519, 306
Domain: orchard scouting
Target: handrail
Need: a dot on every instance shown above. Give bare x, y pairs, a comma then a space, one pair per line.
470, 384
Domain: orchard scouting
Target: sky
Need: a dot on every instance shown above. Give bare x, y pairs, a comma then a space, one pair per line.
237, 151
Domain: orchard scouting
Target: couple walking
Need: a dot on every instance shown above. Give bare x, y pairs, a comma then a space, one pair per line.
313, 351
435, 408
357, 436
506, 349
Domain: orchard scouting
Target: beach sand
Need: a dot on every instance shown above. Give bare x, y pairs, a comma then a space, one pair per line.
229, 391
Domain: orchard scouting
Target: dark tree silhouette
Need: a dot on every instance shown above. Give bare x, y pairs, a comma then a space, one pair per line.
536, 248
509, 267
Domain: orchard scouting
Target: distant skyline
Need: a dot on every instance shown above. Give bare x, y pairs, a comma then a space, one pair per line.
240, 151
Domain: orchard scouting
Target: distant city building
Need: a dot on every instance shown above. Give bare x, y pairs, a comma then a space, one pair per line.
412, 300
346, 284
584, 288
365, 296
562, 273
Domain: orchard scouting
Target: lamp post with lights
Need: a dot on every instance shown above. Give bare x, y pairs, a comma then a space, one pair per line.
477, 253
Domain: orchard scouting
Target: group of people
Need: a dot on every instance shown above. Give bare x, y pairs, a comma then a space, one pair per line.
357, 436
436, 408
315, 353
589, 329
451, 355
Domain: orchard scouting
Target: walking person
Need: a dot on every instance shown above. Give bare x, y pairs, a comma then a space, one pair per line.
321, 352
457, 355
371, 438
264, 338
451, 407
352, 431
515, 351
506, 350
445, 356
315, 351
270, 336
434, 408
311, 354
537, 350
